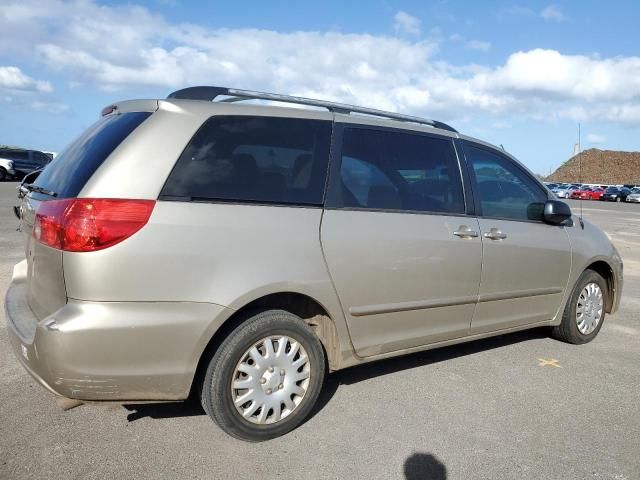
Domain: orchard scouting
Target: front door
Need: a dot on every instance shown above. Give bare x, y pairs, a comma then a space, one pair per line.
526, 263
404, 258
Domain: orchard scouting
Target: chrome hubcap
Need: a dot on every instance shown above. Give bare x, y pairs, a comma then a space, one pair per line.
589, 308
270, 380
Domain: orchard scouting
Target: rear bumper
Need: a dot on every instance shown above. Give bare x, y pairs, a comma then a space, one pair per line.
111, 350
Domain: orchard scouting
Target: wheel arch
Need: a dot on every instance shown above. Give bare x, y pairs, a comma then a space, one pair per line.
307, 308
605, 271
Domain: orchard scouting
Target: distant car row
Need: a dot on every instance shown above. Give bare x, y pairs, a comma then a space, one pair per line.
611, 193
15, 163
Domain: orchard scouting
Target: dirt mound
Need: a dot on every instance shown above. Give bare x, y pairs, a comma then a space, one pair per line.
600, 166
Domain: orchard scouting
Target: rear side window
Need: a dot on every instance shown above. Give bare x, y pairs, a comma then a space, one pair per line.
390, 170
254, 159
70, 171
505, 190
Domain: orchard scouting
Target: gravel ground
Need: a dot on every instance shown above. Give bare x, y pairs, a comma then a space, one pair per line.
481, 410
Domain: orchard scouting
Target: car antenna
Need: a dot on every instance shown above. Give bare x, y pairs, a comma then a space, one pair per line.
580, 173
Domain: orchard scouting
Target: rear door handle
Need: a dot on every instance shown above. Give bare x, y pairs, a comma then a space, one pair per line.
464, 231
495, 234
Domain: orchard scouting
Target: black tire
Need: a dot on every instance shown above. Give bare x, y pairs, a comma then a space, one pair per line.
568, 330
215, 392
3, 174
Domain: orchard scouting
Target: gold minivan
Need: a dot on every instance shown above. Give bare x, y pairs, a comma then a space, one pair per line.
206, 244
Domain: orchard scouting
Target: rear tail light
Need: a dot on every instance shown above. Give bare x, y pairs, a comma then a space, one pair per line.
89, 224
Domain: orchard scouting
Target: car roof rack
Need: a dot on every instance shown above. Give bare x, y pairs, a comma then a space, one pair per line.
237, 95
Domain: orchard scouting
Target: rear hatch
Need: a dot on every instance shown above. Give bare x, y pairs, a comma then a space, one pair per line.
64, 178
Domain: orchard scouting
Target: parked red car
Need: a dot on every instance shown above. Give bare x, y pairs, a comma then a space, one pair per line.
596, 193
587, 193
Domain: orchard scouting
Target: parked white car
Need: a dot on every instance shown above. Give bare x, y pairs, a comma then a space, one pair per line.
6, 169
634, 196
563, 191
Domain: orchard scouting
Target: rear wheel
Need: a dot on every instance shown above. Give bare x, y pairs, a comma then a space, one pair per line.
265, 377
3, 174
585, 311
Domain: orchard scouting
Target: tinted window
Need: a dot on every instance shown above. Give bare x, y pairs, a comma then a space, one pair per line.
505, 190
612, 190
258, 159
40, 159
70, 171
16, 155
399, 171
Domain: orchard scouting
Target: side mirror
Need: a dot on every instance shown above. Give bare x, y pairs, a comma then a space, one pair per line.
556, 212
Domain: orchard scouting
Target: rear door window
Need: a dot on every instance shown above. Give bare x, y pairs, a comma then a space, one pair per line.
70, 171
254, 159
391, 170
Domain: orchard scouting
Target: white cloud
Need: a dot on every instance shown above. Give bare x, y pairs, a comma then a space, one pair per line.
553, 13
516, 11
405, 23
548, 74
118, 48
12, 78
478, 45
596, 138
49, 107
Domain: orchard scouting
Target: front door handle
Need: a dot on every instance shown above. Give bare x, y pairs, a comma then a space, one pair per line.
495, 234
464, 231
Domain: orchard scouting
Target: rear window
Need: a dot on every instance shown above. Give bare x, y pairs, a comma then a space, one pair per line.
254, 159
70, 171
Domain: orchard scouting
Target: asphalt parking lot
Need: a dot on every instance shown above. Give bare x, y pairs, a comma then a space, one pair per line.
486, 409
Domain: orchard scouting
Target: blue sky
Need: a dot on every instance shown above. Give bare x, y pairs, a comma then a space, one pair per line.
521, 74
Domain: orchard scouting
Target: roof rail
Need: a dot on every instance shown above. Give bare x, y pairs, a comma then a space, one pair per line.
236, 95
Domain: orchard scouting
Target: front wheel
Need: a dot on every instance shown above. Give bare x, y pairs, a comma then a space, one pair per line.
585, 311
265, 377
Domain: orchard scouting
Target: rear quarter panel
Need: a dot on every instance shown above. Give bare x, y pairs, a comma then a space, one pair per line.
226, 254
221, 253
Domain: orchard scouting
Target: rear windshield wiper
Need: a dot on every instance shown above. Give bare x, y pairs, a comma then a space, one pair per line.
35, 188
